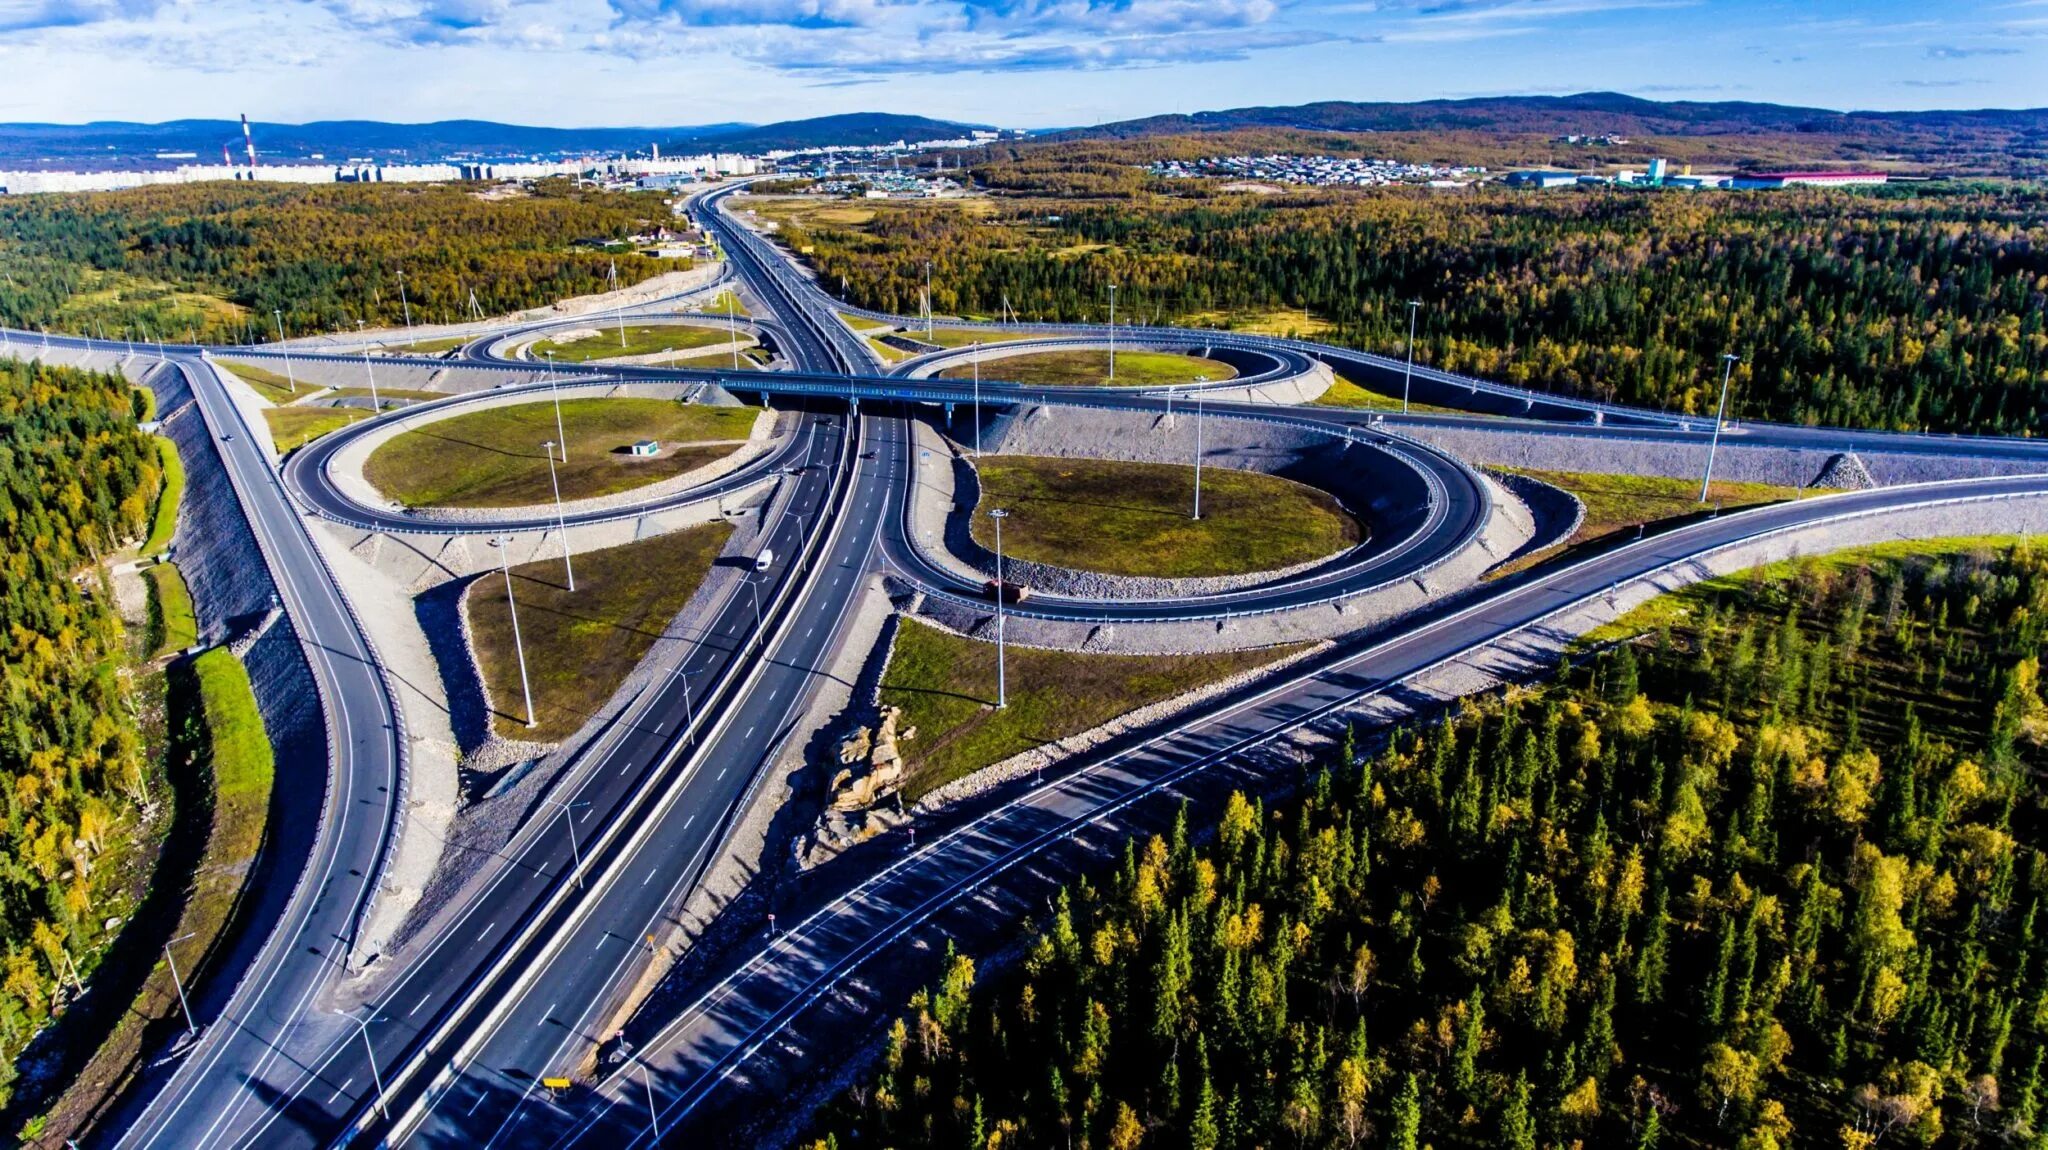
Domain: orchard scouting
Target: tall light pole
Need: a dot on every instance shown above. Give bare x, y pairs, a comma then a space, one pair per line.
179, 983
575, 848
363, 1027
755, 591
1728, 362
278, 315
977, 399
1002, 681
376, 405
1112, 333
732, 328
403, 302
568, 564
928, 309
1198, 448
1408, 377
555, 394
518, 646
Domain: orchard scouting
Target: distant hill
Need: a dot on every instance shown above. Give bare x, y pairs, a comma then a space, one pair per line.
1587, 112
852, 128
106, 144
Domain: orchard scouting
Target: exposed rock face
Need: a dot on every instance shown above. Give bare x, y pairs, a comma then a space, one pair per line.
871, 766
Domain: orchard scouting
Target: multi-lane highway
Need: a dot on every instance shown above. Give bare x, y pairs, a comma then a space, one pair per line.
518, 985
277, 1007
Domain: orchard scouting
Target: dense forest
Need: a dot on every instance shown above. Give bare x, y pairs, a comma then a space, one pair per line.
76, 479
1770, 874
1902, 308
325, 256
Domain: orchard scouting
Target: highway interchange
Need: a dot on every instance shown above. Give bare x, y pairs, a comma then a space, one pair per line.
516, 986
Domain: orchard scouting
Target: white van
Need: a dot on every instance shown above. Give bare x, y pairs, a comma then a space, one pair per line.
764, 560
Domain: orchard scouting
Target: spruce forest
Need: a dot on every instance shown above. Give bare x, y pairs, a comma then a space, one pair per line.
1769, 874
76, 479
214, 261
1912, 308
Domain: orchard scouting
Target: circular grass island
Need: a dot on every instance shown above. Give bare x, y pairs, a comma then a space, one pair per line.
1090, 368
599, 342
494, 458
1135, 519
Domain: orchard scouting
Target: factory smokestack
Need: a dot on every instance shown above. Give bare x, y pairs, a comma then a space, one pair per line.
250, 142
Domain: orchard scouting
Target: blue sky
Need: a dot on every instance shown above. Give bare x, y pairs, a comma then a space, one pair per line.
1023, 63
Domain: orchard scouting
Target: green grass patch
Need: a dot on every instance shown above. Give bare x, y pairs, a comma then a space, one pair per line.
1137, 368
1344, 393
862, 324
581, 645
643, 339
493, 458
727, 302
164, 520
964, 336
294, 427
427, 346
946, 686
1135, 518
273, 386
383, 393
1621, 502
172, 625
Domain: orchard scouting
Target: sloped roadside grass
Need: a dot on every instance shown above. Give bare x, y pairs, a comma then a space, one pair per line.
946, 685
222, 770
294, 427
165, 519
1621, 502
580, 645
172, 625
271, 385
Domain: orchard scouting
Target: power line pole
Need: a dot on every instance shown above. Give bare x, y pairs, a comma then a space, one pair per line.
1408, 376
518, 646
1728, 362
568, 565
1002, 682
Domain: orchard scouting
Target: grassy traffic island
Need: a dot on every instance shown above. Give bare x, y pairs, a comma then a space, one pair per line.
494, 458
946, 687
1090, 368
601, 342
581, 644
1120, 518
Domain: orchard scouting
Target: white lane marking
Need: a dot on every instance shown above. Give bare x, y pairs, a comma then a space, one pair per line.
486, 930
424, 998
338, 1090
649, 878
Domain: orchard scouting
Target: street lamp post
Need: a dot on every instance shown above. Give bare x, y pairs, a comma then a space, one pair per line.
1002, 680
732, 328
1198, 450
568, 564
555, 394
977, 399
1728, 362
278, 315
1112, 333
575, 848
755, 591
376, 405
363, 1027
1408, 376
928, 309
403, 302
518, 646
179, 983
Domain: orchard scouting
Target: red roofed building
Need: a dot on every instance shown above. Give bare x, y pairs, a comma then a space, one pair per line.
1810, 179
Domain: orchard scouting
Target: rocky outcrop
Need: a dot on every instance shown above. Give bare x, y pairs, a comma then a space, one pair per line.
870, 764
